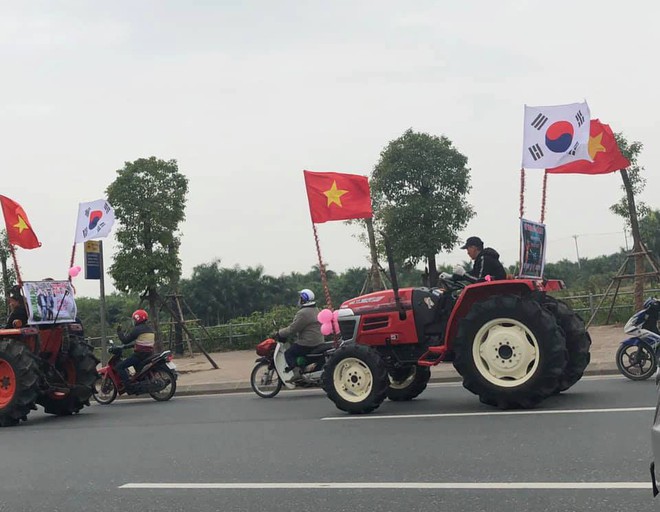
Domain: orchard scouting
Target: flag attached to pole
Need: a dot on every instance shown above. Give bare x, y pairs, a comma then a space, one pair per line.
95, 219
603, 150
337, 196
555, 135
19, 229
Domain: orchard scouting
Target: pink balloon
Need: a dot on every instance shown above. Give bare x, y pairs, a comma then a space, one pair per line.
74, 271
324, 316
335, 325
335, 314
326, 329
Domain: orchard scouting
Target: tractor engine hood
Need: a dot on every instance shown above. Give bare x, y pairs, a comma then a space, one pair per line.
378, 301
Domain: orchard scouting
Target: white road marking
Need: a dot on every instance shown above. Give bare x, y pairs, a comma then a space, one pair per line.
396, 485
493, 413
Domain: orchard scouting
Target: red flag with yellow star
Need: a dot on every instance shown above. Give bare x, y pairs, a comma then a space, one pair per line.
337, 196
603, 150
19, 230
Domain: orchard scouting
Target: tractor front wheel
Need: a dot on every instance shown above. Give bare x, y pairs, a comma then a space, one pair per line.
408, 383
19, 383
510, 351
355, 379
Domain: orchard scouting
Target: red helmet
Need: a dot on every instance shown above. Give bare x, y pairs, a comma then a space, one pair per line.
140, 316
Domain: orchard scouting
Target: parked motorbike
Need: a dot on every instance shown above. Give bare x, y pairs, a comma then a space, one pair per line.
637, 356
155, 376
269, 374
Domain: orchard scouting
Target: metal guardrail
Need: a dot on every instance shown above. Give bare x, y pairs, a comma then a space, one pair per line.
594, 299
233, 334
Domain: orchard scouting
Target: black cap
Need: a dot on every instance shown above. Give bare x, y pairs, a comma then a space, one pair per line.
15, 293
473, 240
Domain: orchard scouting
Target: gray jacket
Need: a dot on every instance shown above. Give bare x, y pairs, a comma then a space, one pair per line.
306, 326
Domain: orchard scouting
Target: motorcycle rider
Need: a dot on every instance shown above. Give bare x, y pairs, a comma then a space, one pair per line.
307, 328
486, 261
651, 315
142, 337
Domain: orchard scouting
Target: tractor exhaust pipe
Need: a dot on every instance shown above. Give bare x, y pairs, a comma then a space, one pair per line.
395, 283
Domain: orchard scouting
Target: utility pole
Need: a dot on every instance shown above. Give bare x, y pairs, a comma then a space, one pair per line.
577, 251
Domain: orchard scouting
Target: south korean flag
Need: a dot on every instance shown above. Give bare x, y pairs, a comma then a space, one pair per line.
556, 135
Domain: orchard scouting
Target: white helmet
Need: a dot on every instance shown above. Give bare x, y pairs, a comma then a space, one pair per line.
306, 298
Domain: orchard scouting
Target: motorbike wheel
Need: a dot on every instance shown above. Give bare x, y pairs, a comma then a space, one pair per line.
105, 390
636, 362
170, 388
265, 384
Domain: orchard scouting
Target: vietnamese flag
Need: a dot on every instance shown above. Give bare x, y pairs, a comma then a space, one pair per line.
603, 150
337, 196
19, 230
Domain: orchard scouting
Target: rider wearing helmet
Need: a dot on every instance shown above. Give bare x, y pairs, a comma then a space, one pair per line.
307, 329
142, 337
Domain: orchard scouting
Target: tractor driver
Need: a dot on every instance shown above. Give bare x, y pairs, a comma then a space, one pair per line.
486, 261
18, 316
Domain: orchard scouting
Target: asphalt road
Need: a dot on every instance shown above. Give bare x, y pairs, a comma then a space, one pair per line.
452, 454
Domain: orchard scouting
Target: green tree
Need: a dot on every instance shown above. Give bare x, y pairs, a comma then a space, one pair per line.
419, 188
631, 209
149, 198
8, 272
649, 230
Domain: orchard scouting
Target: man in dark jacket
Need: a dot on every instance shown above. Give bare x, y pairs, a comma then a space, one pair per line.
307, 329
486, 261
18, 316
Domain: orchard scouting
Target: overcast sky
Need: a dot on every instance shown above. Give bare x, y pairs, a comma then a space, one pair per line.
247, 94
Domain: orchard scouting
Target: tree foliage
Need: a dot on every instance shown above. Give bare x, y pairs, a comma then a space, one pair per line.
631, 151
149, 198
649, 227
419, 187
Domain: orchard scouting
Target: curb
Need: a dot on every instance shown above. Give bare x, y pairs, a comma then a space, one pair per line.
222, 388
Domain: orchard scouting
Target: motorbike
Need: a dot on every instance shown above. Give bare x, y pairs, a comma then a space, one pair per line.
269, 374
155, 376
637, 356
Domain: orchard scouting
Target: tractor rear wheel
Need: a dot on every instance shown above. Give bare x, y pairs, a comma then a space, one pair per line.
19, 383
578, 341
510, 351
79, 370
355, 379
407, 383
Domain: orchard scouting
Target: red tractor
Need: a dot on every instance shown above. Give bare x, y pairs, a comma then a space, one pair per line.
513, 344
48, 364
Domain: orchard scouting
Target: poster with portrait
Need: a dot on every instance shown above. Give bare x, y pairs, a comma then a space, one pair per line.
532, 248
49, 302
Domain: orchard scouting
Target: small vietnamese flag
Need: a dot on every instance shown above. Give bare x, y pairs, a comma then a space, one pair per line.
19, 230
337, 196
603, 150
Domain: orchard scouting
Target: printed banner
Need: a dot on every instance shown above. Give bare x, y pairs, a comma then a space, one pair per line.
532, 248
49, 302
